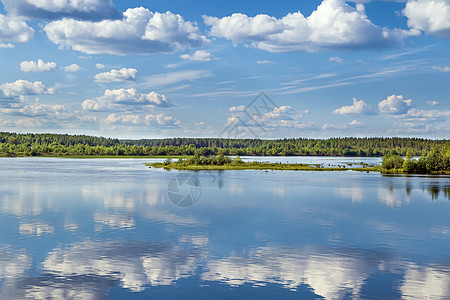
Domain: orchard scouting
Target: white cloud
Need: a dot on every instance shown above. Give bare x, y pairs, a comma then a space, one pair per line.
125, 100
355, 123
277, 112
56, 9
173, 77
333, 25
37, 66
6, 46
14, 30
72, 68
160, 120
124, 74
37, 110
395, 105
140, 31
23, 88
240, 108
336, 59
445, 69
267, 117
127, 119
428, 114
433, 103
264, 62
358, 108
199, 55
100, 66
29, 123
352, 124
432, 17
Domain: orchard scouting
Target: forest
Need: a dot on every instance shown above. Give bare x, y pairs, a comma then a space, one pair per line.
15, 144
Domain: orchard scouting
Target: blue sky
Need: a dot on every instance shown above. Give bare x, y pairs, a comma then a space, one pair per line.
150, 69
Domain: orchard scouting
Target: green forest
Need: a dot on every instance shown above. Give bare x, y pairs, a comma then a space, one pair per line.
14, 144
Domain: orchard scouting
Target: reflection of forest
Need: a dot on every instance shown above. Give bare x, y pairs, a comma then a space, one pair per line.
436, 189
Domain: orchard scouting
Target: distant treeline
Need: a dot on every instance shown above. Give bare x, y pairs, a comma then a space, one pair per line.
58, 144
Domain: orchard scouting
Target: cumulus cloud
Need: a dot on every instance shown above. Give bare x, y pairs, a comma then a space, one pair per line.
6, 46
357, 108
199, 55
37, 66
29, 123
433, 103
445, 69
333, 25
162, 120
352, 124
57, 9
395, 105
72, 68
264, 62
159, 120
428, 114
36, 110
265, 118
432, 17
125, 100
277, 112
240, 108
23, 88
139, 31
100, 66
336, 59
14, 30
124, 74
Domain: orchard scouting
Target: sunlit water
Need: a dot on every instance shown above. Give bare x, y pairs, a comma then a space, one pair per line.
107, 229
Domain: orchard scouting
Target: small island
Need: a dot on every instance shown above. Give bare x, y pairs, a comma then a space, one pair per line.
436, 161
222, 162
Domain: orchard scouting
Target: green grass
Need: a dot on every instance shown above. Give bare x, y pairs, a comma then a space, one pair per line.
256, 166
401, 171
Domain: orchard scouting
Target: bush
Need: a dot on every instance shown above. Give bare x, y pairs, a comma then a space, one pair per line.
392, 162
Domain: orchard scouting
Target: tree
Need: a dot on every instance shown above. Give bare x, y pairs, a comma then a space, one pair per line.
434, 160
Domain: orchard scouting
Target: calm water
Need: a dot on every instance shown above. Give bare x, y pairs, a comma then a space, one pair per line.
109, 229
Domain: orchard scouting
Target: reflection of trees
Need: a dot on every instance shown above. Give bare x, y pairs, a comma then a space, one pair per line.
435, 189
394, 196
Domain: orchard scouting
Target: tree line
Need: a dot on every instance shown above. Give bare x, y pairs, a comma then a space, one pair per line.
436, 160
63, 144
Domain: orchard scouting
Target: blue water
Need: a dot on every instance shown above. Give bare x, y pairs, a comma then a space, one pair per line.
110, 229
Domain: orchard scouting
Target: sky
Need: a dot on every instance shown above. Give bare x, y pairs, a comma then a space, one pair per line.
255, 69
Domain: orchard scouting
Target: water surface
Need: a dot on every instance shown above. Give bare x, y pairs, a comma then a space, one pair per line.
107, 229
